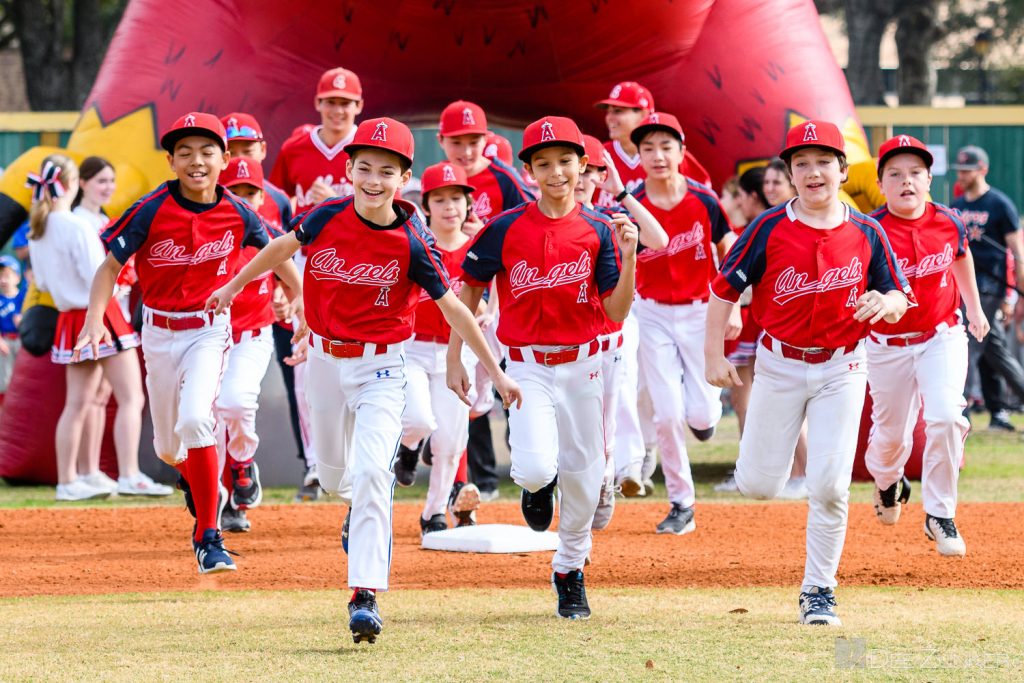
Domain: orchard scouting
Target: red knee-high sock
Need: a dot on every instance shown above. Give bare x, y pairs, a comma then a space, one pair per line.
462, 474
203, 479
182, 468
225, 475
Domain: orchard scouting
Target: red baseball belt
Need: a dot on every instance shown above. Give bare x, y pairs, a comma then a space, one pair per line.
549, 358
612, 341
348, 349
191, 322
813, 356
916, 339
434, 338
236, 335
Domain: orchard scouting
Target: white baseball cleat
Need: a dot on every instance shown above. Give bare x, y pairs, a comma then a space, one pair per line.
888, 502
79, 489
943, 531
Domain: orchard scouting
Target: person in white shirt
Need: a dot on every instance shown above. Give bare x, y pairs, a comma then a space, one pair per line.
66, 251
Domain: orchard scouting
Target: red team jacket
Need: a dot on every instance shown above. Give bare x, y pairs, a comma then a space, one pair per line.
925, 249
498, 188
184, 250
552, 274
808, 280
303, 160
362, 281
680, 273
430, 322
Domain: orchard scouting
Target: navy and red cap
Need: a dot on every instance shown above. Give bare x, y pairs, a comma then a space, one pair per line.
339, 82
903, 144
595, 152
242, 171
444, 174
498, 147
195, 123
658, 120
822, 134
463, 118
551, 131
383, 133
628, 94
242, 127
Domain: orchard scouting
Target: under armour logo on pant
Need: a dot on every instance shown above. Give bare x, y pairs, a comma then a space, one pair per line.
854, 366
594, 375
383, 373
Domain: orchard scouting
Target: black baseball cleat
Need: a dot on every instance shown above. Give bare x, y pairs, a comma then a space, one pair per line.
435, 523
702, 434
679, 521
344, 531
405, 465
1000, 422
572, 596
539, 507
183, 486
463, 502
363, 617
246, 491
888, 502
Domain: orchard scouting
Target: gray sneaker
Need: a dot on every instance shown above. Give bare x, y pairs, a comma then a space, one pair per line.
679, 521
234, 520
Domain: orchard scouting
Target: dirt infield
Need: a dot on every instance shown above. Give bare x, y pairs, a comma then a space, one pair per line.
88, 551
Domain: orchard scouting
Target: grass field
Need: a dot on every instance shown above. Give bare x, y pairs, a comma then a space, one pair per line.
473, 635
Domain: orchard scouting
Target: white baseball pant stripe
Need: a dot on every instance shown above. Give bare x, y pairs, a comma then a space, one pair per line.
558, 431
831, 396
183, 374
672, 365
239, 397
629, 439
900, 379
433, 411
355, 409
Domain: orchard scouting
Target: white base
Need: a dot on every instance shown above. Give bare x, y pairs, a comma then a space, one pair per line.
491, 538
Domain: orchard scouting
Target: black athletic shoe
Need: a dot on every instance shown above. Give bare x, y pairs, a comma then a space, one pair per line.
246, 491
364, 618
539, 507
679, 521
405, 466
1001, 422
702, 434
888, 503
344, 531
572, 596
435, 523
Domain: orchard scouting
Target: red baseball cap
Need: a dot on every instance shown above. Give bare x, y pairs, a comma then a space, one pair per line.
383, 133
629, 94
444, 174
551, 131
595, 151
194, 123
339, 82
902, 144
658, 121
498, 147
463, 118
242, 171
814, 134
241, 126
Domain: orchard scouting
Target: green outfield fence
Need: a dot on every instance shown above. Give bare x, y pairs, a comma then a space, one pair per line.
998, 129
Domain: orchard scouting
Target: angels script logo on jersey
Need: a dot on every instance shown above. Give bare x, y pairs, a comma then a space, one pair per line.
694, 237
167, 253
327, 265
524, 278
791, 285
930, 264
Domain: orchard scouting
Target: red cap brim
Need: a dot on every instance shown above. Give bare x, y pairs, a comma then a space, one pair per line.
171, 138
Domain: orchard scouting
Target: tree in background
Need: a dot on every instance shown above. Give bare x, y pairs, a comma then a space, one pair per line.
62, 43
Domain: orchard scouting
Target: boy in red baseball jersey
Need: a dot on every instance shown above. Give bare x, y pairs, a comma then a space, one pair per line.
369, 257
560, 276
822, 273
672, 284
922, 359
187, 237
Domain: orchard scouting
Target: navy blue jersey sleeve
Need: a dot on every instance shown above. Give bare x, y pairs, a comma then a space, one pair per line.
126, 236
483, 260
746, 260
513, 190
608, 264
425, 265
257, 232
720, 226
307, 225
884, 274
284, 205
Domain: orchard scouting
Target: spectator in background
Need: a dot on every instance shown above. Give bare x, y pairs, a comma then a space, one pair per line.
993, 228
12, 295
778, 187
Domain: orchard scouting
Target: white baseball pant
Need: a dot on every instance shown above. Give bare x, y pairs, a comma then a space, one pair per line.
299, 377
484, 385
629, 439
900, 379
433, 411
355, 410
831, 396
611, 370
239, 396
672, 365
558, 431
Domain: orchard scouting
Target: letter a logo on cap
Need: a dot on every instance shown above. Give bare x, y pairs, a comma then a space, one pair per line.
243, 169
232, 122
467, 117
190, 121
547, 132
380, 133
449, 174
655, 118
339, 82
904, 141
810, 134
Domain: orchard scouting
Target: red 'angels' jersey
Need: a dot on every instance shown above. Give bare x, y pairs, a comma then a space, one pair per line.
276, 209
808, 280
680, 273
925, 250
498, 188
362, 281
303, 160
184, 250
632, 173
552, 274
251, 309
429, 319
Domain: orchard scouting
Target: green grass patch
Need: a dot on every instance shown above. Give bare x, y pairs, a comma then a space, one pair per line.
481, 635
